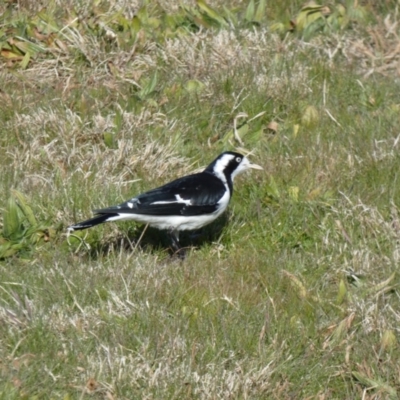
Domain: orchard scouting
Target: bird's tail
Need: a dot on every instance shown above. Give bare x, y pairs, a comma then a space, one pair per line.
99, 219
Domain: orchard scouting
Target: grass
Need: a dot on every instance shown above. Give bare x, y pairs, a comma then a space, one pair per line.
292, 294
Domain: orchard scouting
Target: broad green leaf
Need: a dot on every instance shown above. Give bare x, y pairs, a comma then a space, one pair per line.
278, 27
296, 128
136, 24
12, 227
230, 15
255, 136
9, 249
143, 14
273, 188
310, 117
25, 60
149, 87
308, 15
358, 13
388, 341
5, 250
241, 132
293, 193
340, 331
194, 86
314, 193
25, 208
341, 292
260, 12
48, 22
374, 383
154, 22
26, 46
250, 10
109, 139
211, 13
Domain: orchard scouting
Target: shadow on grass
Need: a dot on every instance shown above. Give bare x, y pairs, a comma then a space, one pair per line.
152, 239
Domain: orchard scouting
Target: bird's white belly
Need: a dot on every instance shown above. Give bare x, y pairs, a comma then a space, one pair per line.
171, 222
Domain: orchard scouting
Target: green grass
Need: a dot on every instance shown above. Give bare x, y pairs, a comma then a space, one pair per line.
292, 294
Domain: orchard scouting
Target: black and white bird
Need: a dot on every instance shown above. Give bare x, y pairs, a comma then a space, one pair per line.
187, 203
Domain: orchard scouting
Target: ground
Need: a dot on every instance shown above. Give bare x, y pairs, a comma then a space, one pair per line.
293, 293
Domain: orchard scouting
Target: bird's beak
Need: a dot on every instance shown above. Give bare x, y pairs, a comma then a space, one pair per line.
255, 166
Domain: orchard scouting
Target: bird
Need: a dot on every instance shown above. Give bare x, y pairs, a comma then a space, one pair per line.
187, 203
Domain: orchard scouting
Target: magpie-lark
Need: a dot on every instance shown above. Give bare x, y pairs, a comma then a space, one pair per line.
186, 203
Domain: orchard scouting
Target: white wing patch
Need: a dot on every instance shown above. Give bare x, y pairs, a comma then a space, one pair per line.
178, 200
162, 202
132, 203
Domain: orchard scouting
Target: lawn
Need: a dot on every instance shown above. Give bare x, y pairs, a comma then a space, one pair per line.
293, 293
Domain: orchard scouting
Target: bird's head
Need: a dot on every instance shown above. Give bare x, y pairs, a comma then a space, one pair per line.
229, 164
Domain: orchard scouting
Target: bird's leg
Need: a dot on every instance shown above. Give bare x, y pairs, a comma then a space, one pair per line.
174, 235
176, 247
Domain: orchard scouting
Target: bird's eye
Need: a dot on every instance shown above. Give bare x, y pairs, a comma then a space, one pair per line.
238, 159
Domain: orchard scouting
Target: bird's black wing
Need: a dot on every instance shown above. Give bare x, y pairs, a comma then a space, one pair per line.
188, 196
